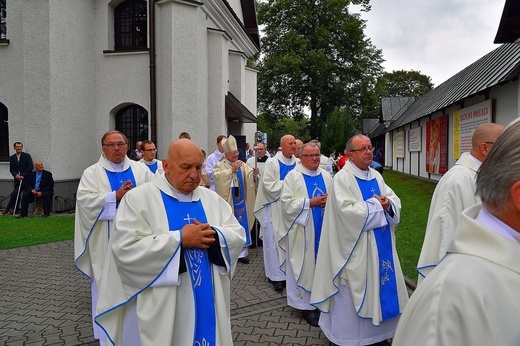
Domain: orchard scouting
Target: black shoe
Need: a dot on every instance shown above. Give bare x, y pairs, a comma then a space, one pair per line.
278, 285
312, 317
21, 216
244, 260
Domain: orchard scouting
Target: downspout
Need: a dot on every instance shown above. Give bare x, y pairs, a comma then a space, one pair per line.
153, 82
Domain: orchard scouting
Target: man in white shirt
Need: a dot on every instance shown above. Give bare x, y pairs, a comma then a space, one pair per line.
212, 160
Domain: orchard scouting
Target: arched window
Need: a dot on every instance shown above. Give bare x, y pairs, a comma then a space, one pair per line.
4, 133
132, 121
130, 25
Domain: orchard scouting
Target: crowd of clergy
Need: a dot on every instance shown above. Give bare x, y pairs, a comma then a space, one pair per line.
160, 241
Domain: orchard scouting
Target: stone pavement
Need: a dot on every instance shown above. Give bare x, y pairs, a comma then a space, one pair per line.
44, 300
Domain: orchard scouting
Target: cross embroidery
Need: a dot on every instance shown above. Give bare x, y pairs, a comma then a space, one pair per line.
121, 182
373, 192
188, 218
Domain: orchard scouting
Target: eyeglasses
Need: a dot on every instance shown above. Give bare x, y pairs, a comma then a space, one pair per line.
489, 142
113, 145
313, 156
369, 148
150, 149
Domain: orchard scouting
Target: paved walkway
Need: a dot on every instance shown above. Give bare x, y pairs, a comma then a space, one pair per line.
44, 300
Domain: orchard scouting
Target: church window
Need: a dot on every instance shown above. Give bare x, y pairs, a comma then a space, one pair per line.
130, 25
132, 121
3, 21
4, 133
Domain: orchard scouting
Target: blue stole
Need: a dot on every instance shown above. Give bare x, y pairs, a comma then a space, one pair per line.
240, 206
153, 167
285, 169
199, 268
117, 179
316, 187
387, 282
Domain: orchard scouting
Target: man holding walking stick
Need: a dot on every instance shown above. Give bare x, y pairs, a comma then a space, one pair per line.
257, 161
20, 166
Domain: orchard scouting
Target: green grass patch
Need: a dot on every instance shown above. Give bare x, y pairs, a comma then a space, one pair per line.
34, 230
415, 195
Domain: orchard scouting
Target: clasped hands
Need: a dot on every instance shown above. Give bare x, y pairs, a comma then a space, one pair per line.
318, 201
197, 234
385, 202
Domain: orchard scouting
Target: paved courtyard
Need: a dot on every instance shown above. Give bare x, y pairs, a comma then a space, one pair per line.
44, 300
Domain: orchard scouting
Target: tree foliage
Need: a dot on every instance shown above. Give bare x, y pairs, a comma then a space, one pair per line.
404, 84
315, 57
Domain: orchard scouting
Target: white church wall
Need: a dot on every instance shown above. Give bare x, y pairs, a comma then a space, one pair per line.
506, 107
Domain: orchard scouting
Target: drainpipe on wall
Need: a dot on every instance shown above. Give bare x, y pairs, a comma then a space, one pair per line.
153, 86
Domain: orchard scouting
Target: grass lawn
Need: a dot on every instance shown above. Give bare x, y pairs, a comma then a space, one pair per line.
34, 230
415, 197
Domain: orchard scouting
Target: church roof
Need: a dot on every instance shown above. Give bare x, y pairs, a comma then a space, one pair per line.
495, 68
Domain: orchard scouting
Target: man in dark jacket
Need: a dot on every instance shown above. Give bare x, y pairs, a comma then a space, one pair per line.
39, 184
20, 166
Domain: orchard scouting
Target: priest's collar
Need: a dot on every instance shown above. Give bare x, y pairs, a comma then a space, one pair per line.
118, 167
306, 171
475, 159
359, 172
182, 197
148, 162
285, 160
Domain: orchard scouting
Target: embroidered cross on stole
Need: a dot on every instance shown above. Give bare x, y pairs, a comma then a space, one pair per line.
383, 236
199, 269
316, 187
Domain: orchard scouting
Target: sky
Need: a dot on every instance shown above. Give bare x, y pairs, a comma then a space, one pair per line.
438, 38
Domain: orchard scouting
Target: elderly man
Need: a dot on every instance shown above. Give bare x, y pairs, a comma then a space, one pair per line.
149, 151
39, 184
268, 209
20, 166
454, 193
212, 160
137, 154
100, 189
471, 297
304, 195
234, 182
358, 284
299, 144
325, 162
172, 259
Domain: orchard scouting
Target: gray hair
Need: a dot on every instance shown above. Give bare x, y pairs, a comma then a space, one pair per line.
500, 170
350, 146
316, 142
310, 144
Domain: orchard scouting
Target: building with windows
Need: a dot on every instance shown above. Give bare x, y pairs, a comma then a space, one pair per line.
72, 70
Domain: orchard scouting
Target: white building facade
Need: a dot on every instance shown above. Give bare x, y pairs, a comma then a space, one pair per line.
71, 70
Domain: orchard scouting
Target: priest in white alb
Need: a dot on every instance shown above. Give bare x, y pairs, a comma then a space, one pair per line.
268, 209
173, 252
471, 296
100, 190
358, 283
454, 193
304, 196
234, 181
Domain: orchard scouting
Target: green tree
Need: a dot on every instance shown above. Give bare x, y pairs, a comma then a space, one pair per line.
404, 84
336, 132
315, 57
299, 128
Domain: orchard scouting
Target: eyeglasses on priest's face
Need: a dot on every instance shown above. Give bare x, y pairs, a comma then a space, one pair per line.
150, 150
364, 149
113, 145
